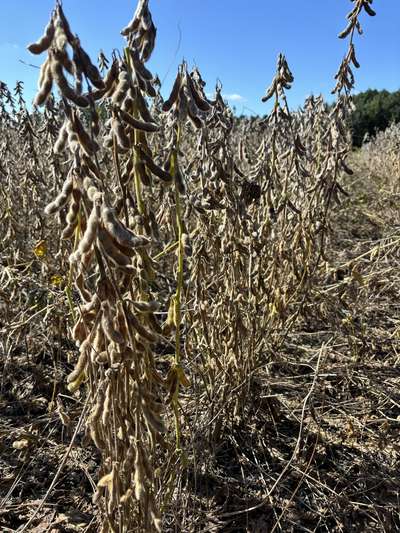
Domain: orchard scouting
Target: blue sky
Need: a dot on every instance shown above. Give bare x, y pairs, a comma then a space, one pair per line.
234, 41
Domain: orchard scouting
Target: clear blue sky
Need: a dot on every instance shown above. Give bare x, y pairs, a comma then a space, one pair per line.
231, 40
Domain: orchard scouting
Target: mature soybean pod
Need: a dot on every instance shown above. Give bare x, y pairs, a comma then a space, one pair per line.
62, 198
90, 232
119, 232
111, 250
119, 131
137, 124
66, 90
89, 145
45, 86
44, 42
155, 169
201, 103
107, 325
167, 105
91, 71
61, 141
143, 332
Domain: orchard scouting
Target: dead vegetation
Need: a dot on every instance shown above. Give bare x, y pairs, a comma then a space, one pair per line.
199, 315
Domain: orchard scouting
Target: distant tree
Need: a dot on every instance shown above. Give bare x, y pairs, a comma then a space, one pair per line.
375, 110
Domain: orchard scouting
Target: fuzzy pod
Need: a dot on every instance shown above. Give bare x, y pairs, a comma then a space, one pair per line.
119, 232
155, 169
90, 233
85, 294
46, 84
65, 88
270, 91
107, 325
140, 69
72, 215
150, 127
142, 107
121, 89
146, 307
62, 198
143, 332
82, 361
194, 119
91, 71
44, 42
131, 26
88, 144
64, 24
61, 141
119, 132
79, 332
111, 76
200, 102
167, 105
141, 171
180, 184
153, 420
111, 250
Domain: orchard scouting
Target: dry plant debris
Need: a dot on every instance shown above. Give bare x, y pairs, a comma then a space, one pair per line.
199, 314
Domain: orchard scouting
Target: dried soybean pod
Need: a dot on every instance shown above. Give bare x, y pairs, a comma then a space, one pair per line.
194, 119
180, 184
91, 230
270, 91
45, 86
131, 26
90, 70
143, 332
66, 62
119, 232
343, 34
72, 215
153, 420
82, 360
146, 307
155, 169
122, 88
127, 104
111, 250
167, 105
353, 56
65, 24
89, 145
142, 107
137, 124
369, 9
44, 42
139, 67
111, 75
141, 171
201, 103
108, 327
66, 90
92, 301
62, 198
119, 131
60, 143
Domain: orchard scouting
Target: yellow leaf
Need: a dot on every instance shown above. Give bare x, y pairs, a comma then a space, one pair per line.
56, 280
40, 249
183, 380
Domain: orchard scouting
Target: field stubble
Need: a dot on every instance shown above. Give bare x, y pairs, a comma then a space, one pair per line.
207, 339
